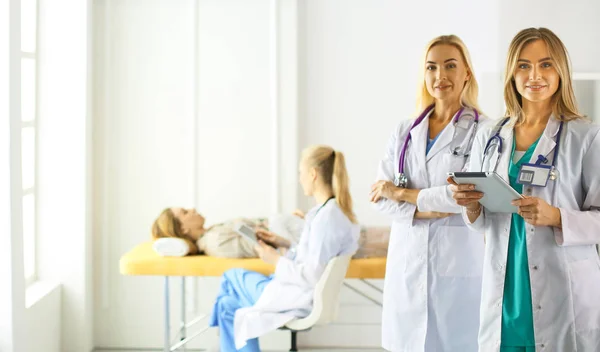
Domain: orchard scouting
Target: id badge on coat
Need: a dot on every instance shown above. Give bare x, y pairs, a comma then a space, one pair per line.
535, 175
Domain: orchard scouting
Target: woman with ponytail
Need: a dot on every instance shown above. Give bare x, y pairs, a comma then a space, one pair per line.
250, 304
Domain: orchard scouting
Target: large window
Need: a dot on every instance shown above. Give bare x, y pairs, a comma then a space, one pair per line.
29, 64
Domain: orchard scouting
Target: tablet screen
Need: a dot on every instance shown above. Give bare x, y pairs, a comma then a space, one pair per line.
248, 232
497, 193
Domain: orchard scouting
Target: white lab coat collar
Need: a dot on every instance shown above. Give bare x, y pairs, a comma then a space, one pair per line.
419, 135
545, 146
547, 141
507, 136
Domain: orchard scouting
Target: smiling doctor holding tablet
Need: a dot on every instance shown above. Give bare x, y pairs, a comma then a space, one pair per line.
541, 276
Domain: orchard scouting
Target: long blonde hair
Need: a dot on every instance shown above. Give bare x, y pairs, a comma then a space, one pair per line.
331, 166
167, 225
564, 102
470, 91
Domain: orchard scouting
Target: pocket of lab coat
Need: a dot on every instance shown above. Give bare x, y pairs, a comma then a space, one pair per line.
452, 163
460, 252
585, 285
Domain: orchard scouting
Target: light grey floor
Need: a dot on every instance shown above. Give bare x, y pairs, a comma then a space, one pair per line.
301, 350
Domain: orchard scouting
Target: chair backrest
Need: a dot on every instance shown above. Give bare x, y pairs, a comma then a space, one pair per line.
327, 291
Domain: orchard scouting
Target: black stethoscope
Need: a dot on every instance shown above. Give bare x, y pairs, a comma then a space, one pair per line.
324, 204
499, 142
319, 209
401, 180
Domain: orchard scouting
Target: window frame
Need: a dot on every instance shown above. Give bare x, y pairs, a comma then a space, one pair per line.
31, 277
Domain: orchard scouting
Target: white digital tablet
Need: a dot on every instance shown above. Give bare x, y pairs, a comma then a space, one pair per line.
497, 193
246, 232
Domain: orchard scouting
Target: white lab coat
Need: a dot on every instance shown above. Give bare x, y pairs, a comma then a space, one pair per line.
327, 233
564, 267
433, 276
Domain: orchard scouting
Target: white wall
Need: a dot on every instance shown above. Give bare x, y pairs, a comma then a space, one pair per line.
233, 123
43, 318
586, 96
184, 109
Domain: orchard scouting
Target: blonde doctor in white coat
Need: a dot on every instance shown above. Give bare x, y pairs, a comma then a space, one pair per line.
541, 280
251, 304
433, 277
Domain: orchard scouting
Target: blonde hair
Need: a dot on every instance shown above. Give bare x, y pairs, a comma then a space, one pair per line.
167, 225
331, 166
564, 105
470, 91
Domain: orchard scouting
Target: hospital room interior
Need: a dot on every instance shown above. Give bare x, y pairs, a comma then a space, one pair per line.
120, 112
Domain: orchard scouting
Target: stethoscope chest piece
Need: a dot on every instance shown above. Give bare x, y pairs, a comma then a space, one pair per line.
401, 180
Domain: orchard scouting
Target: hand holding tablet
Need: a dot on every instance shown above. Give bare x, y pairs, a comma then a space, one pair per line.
497, 193
251, 235
246, 232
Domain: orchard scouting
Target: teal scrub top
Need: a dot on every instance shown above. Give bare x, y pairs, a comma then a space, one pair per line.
517, 308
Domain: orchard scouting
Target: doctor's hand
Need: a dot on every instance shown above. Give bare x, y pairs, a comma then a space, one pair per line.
537, 212
267, 253
270, 237
382, 189
465, 195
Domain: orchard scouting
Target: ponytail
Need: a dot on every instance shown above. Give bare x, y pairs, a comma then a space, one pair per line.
341, 187
331, 165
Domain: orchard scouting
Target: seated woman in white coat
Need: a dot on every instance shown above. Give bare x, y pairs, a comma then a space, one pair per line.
250, 304
541, 278
433, 276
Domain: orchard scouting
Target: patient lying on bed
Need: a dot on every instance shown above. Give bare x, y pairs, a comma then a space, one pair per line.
220, 240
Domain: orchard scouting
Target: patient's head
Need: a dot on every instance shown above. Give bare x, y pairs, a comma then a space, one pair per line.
192, 223
182, 223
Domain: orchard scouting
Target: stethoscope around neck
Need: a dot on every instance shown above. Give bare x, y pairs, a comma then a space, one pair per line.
499, 142
401, 180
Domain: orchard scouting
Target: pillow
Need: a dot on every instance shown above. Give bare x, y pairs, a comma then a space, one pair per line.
373, 242
171, 247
